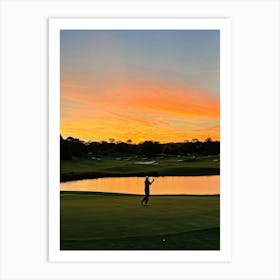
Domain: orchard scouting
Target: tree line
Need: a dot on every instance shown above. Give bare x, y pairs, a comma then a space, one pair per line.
75, 148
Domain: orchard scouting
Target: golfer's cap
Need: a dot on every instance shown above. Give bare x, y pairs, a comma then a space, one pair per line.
147, 177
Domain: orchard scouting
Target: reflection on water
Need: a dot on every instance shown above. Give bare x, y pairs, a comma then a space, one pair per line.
135, 185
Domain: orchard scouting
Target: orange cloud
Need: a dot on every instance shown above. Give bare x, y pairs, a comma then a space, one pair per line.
137, 109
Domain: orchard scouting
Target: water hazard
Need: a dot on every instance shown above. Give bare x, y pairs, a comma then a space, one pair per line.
135, 185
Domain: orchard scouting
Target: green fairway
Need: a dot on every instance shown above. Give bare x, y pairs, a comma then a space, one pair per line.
166, 166
99, 221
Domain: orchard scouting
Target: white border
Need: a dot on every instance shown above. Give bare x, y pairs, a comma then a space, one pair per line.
55, 25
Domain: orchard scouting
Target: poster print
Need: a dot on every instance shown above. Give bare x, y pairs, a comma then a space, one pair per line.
139, 139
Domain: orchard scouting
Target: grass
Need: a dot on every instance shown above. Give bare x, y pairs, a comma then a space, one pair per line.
169, 166
99, 221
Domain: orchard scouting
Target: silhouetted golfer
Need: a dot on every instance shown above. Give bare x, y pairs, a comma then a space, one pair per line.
147, 191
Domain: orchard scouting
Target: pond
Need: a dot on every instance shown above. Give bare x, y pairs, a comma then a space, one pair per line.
135, 185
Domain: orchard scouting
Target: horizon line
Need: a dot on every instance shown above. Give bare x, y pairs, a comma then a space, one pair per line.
193, 140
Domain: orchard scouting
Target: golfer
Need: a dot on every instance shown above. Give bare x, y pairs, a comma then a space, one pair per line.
147, 191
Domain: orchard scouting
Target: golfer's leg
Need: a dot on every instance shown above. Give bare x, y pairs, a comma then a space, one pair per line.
147, 198
144, 199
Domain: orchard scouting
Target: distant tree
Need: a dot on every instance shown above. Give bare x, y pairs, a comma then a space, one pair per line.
122, 147
94, 148
172, 148
150, 148
74, 147
210, 147
65, 151
71, 139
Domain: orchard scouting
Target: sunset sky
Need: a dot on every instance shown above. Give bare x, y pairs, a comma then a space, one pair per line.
140, 85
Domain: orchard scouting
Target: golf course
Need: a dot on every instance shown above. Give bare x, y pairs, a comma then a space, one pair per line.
125, 166
109, 221
113, 221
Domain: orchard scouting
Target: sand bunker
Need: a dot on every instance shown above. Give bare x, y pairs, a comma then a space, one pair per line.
152, 162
